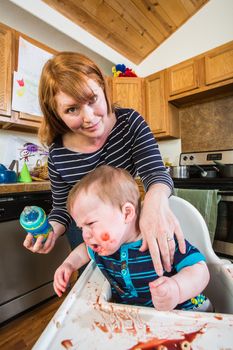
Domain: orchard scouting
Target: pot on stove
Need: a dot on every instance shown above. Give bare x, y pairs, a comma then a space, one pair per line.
225, 170
210, 173
179, 172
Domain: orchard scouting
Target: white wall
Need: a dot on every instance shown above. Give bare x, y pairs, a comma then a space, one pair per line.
11, 144
170, 150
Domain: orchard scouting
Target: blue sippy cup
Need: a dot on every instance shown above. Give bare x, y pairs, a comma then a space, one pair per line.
34, 220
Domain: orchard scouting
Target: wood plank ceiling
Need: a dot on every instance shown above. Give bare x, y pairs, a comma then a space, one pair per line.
134, 28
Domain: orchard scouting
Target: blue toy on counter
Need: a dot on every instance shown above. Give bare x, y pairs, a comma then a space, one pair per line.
34, 220
7, 175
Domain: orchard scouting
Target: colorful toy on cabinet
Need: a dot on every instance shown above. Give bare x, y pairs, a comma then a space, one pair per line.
120, 70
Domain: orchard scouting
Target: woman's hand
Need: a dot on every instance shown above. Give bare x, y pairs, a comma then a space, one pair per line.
44, 248
158, 225
62, 277
165, 293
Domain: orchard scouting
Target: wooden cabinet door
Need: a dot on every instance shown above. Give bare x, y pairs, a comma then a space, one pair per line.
183, 77
161, 116
219, 64
5, 70
128, 92
25, 118
155, 103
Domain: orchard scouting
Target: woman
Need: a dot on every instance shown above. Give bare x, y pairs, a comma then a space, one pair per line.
83, 131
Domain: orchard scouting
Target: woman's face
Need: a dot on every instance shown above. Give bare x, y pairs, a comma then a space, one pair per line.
88, 119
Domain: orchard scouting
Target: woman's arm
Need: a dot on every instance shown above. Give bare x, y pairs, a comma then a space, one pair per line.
157, 222
58, 217
168, 292
60, 190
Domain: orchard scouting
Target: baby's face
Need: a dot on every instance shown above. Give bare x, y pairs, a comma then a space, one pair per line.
102, 224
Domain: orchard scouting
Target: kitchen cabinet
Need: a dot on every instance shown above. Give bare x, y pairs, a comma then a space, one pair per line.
25, 119
147, 96
219, 64
205, 76
6, 70
129, 92
183, 77
10, 119
162, 117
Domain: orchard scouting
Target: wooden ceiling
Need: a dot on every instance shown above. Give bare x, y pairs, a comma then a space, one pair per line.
134, 28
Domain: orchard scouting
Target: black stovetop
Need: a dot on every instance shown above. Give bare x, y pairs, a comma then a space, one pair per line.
219, 183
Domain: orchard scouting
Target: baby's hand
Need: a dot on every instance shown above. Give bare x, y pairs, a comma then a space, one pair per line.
165, 293
62, 277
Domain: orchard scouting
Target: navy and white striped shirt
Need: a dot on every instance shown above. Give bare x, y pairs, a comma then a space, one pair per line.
129, 272
130, 145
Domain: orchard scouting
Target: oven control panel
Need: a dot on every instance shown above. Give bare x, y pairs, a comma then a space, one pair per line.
206, 158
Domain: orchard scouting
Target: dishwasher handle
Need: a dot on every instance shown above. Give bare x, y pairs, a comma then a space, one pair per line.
11, 206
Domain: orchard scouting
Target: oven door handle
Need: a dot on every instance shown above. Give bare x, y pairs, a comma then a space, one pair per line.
227, 198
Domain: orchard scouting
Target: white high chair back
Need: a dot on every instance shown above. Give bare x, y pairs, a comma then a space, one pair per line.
220, 287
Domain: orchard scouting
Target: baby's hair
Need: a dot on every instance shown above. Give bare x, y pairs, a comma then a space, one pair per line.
112, 185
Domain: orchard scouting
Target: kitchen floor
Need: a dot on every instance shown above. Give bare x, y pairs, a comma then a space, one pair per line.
22, 332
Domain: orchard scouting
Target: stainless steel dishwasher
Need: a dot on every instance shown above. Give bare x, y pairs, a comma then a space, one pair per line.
26, 278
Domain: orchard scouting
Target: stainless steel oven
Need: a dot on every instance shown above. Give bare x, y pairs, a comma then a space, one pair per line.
26, 279
223, 243
203, 163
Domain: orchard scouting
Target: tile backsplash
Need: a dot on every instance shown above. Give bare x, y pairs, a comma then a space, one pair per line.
207, 126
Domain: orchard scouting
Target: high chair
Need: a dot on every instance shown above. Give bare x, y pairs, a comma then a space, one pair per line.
220, 287
87, 319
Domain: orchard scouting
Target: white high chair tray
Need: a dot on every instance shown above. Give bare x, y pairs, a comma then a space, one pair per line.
86, 320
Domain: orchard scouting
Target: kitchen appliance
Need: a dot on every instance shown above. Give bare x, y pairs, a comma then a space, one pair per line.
225, 170
26, 279
179, 172
223, 242
7, 175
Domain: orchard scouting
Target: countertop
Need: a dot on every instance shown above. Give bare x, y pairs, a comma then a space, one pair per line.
39, 186
25, 187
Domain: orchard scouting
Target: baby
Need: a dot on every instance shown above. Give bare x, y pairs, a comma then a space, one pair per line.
105, 204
